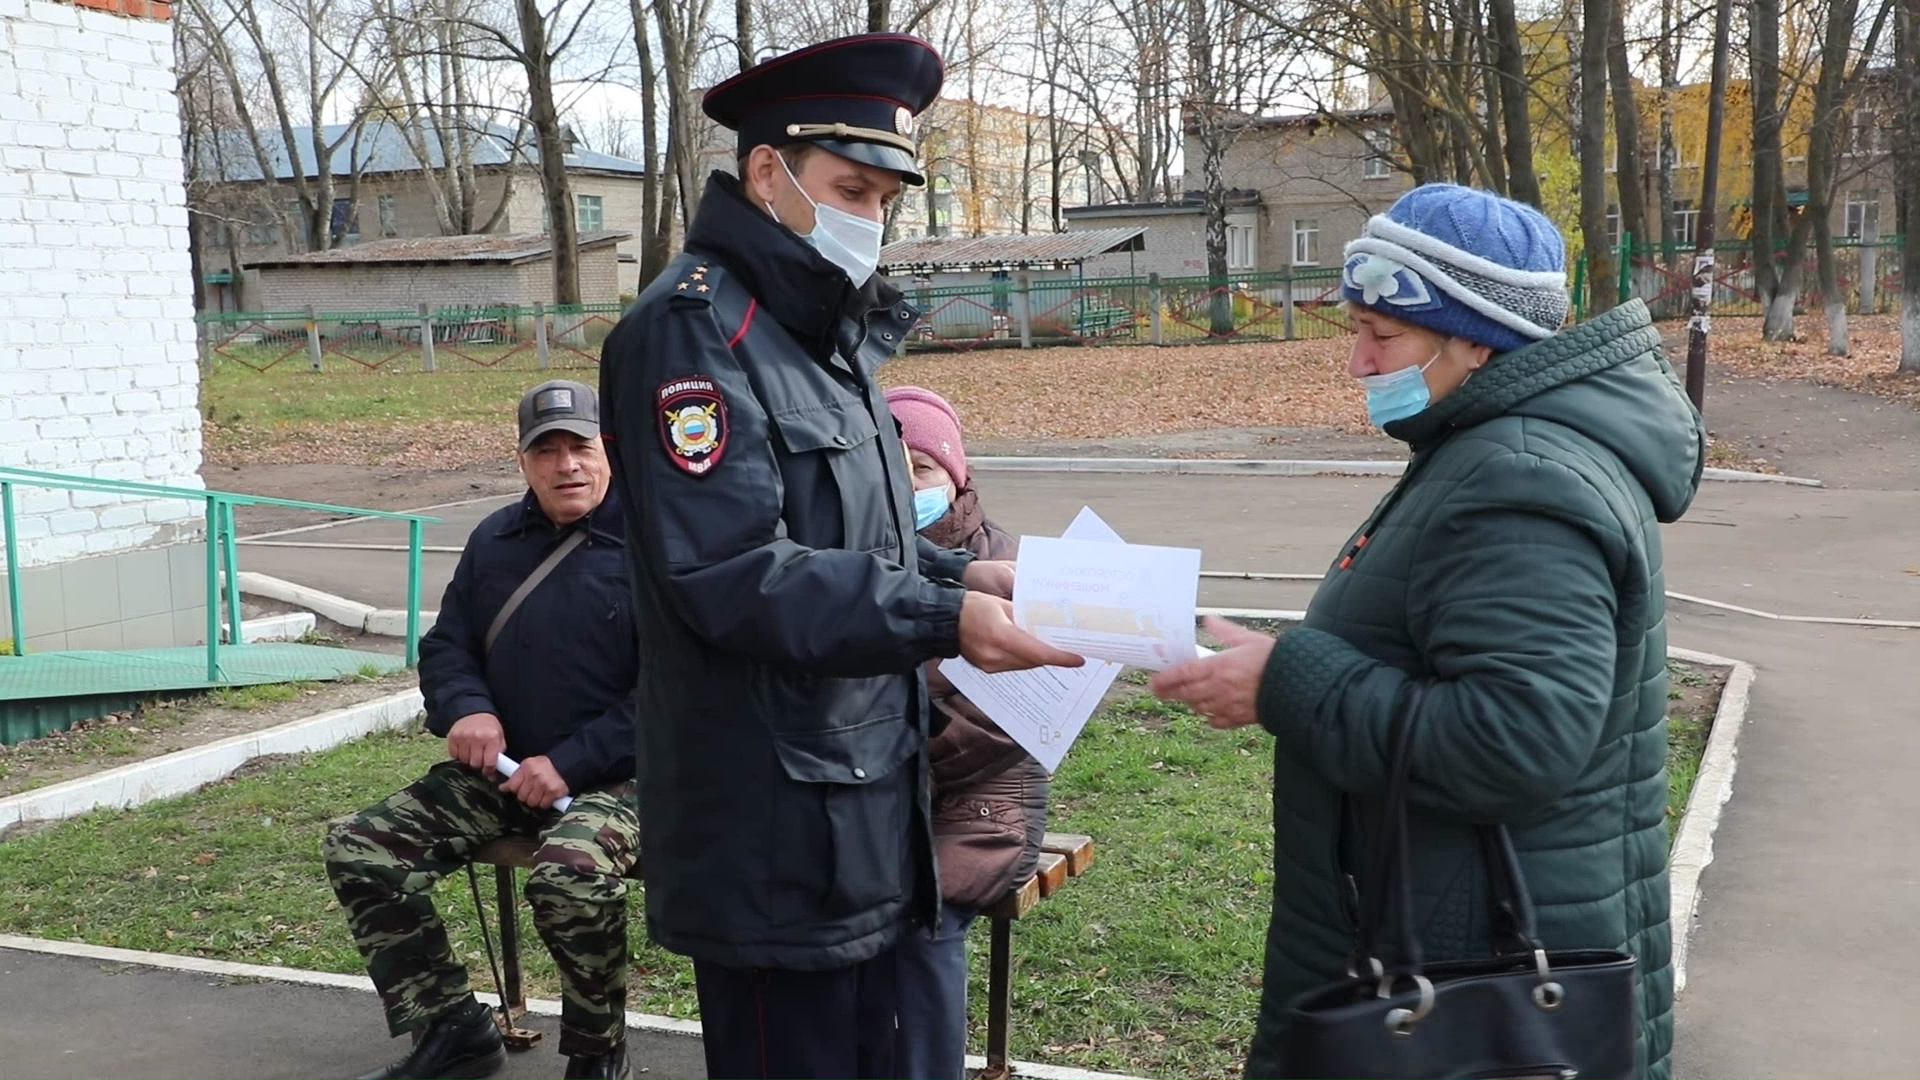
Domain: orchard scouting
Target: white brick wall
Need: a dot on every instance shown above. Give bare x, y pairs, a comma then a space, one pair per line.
97, 359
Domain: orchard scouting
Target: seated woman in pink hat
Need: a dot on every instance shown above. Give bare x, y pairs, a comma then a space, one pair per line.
989, 796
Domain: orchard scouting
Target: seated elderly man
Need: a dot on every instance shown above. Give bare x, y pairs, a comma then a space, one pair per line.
534, 657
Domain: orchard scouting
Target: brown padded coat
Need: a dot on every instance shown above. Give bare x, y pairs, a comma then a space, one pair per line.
989, 795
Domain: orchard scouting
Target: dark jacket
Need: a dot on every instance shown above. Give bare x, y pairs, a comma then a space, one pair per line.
562, 672
783, 601
989, 795
1515, 571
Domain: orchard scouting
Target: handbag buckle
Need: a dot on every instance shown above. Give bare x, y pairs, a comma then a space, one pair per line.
1548, 994
1400, 1022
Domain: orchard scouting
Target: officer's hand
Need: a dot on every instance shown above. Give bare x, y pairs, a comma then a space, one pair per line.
991, 642
991, 576
476, 739
536, 783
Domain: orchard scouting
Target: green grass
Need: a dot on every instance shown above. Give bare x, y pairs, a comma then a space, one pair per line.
1687, 731
254, 697
1148, 964
290, 393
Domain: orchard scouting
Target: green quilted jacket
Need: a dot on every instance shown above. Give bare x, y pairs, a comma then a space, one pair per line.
1515, 571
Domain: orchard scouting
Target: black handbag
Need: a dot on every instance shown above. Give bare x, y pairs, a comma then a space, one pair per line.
1521, 1011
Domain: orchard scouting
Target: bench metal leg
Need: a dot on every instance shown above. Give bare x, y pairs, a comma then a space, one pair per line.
999, 978
513, 995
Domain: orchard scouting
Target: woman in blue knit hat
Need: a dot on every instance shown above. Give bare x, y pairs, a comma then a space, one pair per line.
1506, 595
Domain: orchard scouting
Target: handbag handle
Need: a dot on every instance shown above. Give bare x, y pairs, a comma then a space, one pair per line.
1511, 918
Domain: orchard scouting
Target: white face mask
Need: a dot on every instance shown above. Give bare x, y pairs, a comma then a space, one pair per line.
848, 241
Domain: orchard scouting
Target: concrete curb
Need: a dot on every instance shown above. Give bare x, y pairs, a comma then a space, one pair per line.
183, 771
285, 627
1712, 787
386, 622
1276, 467
301, 977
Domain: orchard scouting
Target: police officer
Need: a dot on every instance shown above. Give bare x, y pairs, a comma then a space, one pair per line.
532, 655
783, 600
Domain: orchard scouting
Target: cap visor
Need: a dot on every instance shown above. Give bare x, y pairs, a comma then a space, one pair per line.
877, 155
586, 429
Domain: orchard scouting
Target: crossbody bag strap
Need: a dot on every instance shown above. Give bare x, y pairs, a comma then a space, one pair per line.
553, 559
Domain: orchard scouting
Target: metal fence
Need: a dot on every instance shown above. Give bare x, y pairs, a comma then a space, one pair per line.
1152, 310
1868, 275
425, 339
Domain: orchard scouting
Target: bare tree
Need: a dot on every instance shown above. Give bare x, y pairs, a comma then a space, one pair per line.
1626, 130
537, 43
243, 45
438, 114
1834, 87
1591, 139
1906, 78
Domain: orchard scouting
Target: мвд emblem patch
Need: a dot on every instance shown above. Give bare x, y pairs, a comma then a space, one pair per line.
693, 423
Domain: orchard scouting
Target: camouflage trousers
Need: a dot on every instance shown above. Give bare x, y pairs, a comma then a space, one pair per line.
383, 863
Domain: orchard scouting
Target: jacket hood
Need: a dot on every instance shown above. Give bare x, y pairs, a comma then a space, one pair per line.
1609, 380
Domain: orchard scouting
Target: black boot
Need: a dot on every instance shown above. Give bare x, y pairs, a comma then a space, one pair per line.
462, 1045
612, 1065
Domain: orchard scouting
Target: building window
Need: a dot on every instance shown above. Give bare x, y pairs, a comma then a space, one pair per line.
262, 229
1862, 135
1379, 162
1240, 247
343, 224
1306, 241
587, 213
1685, 219
1613, 225
1863, 209
389, 218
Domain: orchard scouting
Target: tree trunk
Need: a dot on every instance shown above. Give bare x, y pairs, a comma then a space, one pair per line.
1669, 154
879, 14
554, 183
743, 32
1828, 98
1907, 157
1602, 275
1773, 279
1494, 152
654, 247
1522, 180
1626, 130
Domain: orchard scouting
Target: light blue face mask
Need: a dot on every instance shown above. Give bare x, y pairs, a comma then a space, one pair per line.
929, 506
1398, 394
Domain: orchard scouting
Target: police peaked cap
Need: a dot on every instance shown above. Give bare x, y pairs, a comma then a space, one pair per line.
857, 96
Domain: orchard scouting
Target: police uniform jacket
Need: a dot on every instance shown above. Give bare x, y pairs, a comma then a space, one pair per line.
783, 600
561, 674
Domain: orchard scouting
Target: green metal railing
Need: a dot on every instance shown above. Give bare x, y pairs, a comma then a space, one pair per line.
222, 546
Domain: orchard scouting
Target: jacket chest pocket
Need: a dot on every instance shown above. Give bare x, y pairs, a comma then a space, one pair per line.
838, 493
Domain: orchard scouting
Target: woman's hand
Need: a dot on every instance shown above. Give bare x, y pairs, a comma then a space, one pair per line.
1222, 687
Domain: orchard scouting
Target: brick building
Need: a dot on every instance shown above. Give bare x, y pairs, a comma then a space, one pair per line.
491, 270
245, 220
97, 359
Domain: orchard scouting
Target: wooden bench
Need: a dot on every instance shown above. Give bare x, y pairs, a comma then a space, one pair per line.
1063, 856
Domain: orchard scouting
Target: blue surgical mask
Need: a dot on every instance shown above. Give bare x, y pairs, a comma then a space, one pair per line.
929, 506
847, 241
1398, 394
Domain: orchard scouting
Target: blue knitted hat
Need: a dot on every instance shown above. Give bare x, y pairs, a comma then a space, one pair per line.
1465, 263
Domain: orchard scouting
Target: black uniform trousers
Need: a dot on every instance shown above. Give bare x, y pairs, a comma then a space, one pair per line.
774, 1023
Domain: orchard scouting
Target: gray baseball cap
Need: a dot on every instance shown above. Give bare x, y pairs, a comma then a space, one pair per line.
558, 405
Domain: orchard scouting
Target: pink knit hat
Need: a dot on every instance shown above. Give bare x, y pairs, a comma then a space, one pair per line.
928, 424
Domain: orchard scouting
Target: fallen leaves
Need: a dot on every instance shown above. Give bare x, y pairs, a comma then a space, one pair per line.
1872, 366
1012, 394
1117, 391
